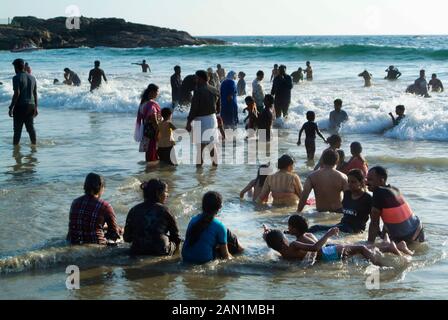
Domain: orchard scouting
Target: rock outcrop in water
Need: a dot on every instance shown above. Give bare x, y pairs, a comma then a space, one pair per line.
107, 32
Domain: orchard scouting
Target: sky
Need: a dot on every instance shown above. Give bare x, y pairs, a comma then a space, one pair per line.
256, 17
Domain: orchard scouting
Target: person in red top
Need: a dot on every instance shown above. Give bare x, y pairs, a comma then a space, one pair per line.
357, 161
92, 220
149, 115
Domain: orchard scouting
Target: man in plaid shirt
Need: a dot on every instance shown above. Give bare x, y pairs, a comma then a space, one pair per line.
91, 216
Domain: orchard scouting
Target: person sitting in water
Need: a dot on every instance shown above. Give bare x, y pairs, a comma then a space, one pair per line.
297, 76
421, 85
392, 73
367, 78
92, 220
285, 185
71, 78
150, 227
435, 84
328, 185
399, 110
356, 206
335, 142
389, 205
207, 238
144, 65
311, 129
95, 76
337, 117
297, 250
357, 161
255, 186
298, 227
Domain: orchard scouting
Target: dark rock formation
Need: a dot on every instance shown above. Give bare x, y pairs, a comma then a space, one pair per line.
108, 32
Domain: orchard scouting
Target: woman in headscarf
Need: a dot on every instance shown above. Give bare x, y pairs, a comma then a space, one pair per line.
229, 106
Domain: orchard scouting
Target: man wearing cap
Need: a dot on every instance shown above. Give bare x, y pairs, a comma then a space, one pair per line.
23, 106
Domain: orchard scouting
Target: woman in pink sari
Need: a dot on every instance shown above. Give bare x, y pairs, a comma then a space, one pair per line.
148, 117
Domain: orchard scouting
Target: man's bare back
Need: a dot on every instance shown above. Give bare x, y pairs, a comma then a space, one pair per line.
328, 185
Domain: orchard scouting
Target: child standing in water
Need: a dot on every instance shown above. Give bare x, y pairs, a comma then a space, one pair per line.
266, 117
166, 139
256, 185
241, 86
399, 110
357, 161
311, 129
309, 71
252, 118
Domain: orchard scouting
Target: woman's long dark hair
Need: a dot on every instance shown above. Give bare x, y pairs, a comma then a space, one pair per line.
146, 94
153, 190
211, 204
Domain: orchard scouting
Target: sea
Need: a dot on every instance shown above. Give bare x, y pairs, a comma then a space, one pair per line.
81, 132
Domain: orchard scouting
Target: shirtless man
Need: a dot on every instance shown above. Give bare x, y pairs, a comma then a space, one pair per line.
95, 77
328, 185
221, 72
435, 84
144, 65
309, 71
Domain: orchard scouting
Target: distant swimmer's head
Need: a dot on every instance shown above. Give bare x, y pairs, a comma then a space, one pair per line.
297, 225
218, 66
210, 70
286, 162
356, 148
94, 185
422, 73
177, 69
260, 75
66, 70
97, 63
275, 239
391, 68
434, 76
150, 93
300, 69
338, 104
400, 109
249, 101
231, 75
275, 66
56, 81
308, 63
144, 61
155, 191
241, 75
202, 76
377, 177
330, 158
356, 180
167, 113
335, 141
310, 116
19, 65
269, 100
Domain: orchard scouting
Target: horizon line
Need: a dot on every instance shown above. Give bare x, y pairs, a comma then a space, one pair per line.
328, 35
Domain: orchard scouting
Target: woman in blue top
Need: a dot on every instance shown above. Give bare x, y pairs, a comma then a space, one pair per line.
206, 236
229, 106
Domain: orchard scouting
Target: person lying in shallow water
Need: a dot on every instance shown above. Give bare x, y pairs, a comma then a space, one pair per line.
305, 243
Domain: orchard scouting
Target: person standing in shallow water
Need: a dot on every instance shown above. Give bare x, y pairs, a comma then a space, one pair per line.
150, 226
95, 76
145, 66
281, 90
221, 72
229, 106
337, 117
23, 107
92, 220
148, 117
176, 87
309, 71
